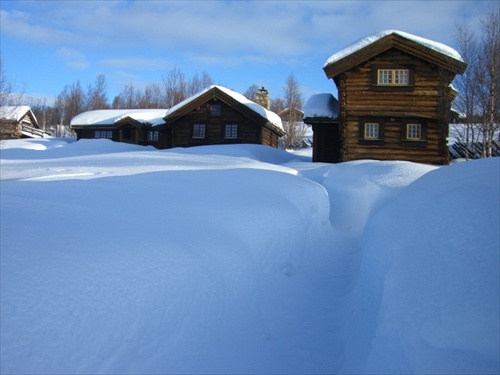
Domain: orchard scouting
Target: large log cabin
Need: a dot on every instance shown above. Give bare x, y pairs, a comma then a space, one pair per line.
216, 115
395, 95
19, 122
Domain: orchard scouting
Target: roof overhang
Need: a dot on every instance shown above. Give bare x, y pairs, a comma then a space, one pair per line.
397, 41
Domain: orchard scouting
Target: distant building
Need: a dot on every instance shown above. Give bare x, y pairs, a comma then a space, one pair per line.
19, 122
216, 115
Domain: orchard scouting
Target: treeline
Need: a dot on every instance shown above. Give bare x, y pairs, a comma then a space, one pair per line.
75, 99
173, 88
478, 99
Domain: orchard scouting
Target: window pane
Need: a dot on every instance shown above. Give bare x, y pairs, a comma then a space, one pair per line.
371, 130
215, 109
199, 131
103, 134
231, 131
401, 77
385, 76
393, 77
414, 131
152, 135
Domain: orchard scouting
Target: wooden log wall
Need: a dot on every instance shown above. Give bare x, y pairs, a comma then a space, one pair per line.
248, 131
429, 100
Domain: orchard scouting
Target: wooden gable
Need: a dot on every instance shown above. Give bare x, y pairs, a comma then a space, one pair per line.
397, 41
207, 117
215, 94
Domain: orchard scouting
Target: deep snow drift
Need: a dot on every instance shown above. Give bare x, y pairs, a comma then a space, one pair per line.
121, 259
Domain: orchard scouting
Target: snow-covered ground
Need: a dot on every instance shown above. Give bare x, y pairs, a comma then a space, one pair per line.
122, 259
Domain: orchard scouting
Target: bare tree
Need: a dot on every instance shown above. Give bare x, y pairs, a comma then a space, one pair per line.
291, 115
70, 102
152, 97
96, 94
129, 98
251, 92
489, 80
467, 87
175, 87
8, 96
478, 88
197, 84
277, 105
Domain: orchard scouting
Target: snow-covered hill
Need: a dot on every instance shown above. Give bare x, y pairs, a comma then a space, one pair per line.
121, 259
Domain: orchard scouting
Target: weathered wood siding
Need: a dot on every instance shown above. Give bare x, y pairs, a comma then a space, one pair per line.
9, 130
248, 131
14, 130
326, 143
429, 100
89, 132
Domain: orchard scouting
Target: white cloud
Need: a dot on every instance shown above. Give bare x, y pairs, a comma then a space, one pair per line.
72, 58
276, 30
134, 63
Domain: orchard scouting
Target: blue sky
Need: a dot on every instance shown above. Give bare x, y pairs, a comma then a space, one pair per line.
46, 45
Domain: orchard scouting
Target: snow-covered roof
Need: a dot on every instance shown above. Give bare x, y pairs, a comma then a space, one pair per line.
370, 39
322, 105
111, 116
15, 113
270, 116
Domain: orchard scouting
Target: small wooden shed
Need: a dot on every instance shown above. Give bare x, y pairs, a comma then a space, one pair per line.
395, 95
19, 122
321, 112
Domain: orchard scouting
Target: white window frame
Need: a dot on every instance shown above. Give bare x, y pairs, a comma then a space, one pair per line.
393, 77
199, 131
372, 130
414, 132
231, 131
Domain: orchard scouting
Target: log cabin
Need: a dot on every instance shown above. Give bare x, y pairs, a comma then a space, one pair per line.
215, 115
136, 126
218, 115
19, 122
395, 95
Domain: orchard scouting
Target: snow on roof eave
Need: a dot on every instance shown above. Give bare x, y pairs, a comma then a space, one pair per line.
270, 116
16, 113
108, 117
370, 39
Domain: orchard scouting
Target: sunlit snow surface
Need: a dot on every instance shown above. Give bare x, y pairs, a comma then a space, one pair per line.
121, 259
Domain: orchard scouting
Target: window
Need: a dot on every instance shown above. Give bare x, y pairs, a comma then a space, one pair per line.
413, 132
153, 136
215, 109
231, 131
371, 130
103, 134
393, 77
199, 131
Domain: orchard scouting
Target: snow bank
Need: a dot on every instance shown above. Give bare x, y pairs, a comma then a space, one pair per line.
122, 259
427, 296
